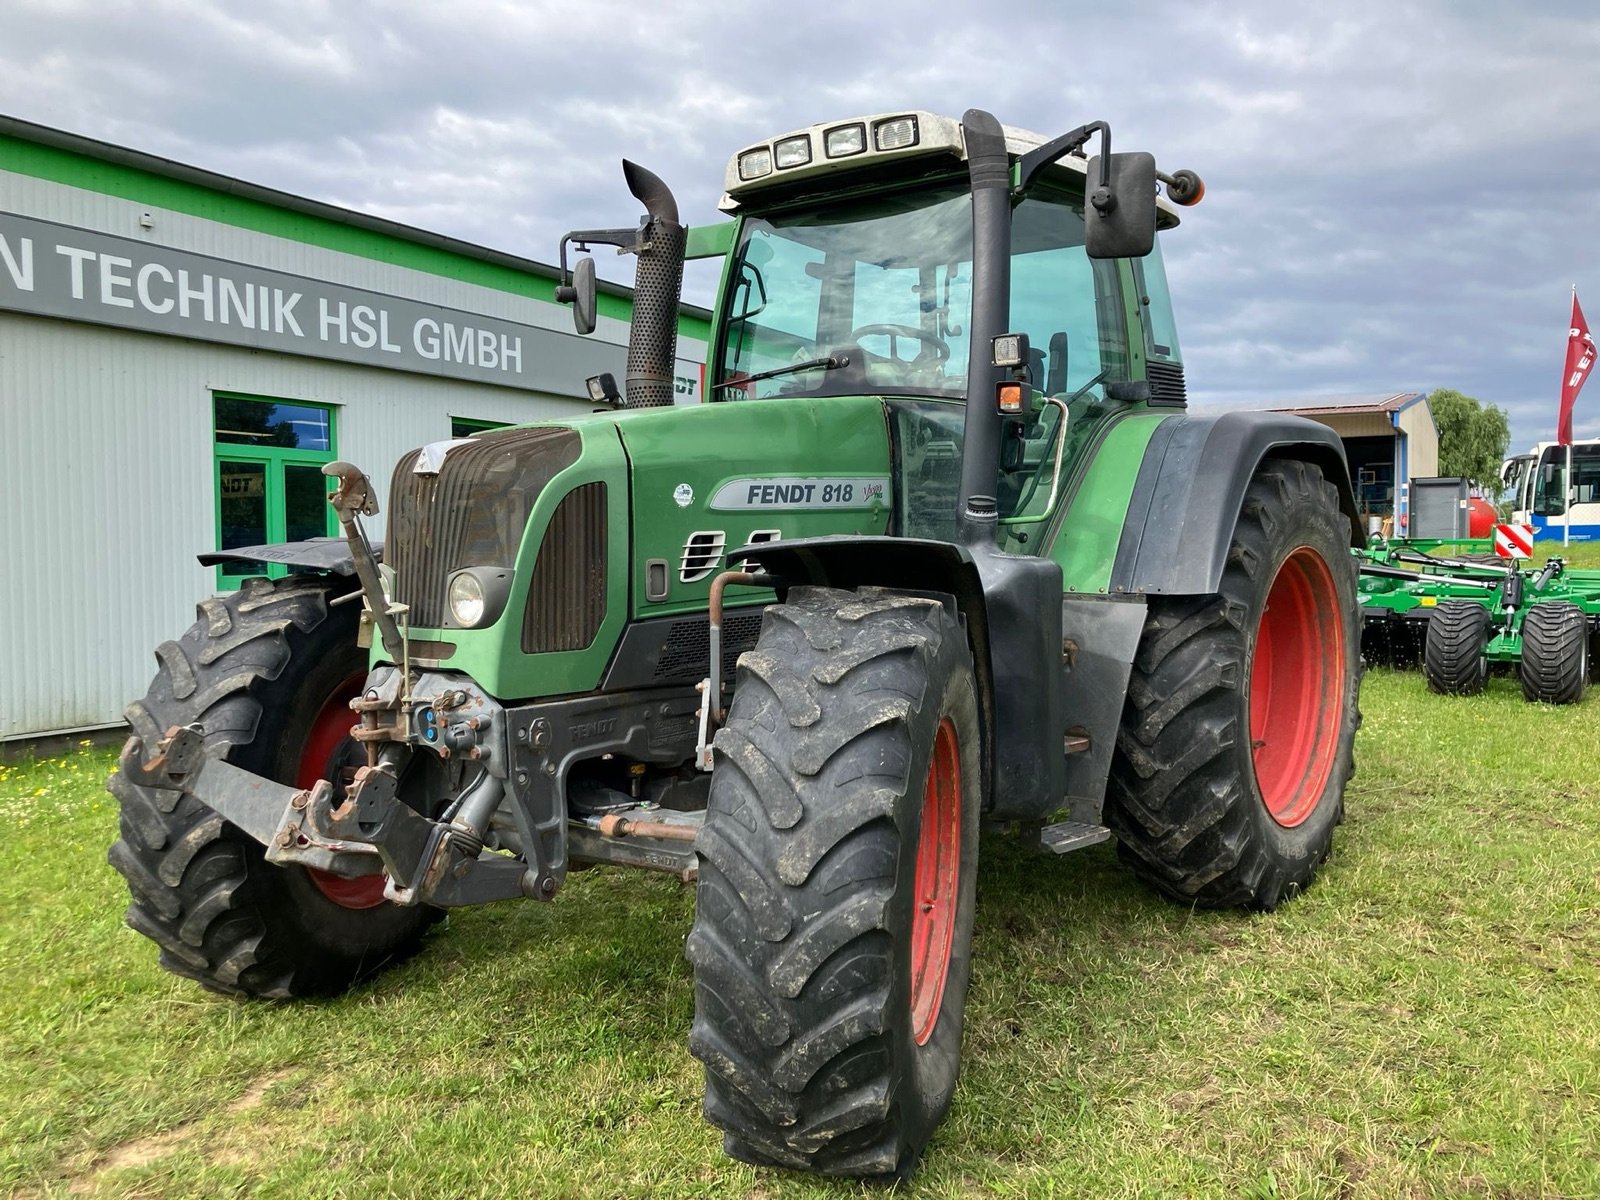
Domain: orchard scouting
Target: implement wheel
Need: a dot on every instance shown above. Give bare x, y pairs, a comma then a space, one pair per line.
832, 938
1236, 737
268, 672
1554, 667
1455, 661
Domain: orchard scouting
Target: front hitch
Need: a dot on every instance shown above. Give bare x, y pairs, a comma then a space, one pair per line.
276, 815
370, 830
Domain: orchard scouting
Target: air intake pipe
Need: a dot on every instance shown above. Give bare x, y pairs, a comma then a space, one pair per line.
653, 334
989, 169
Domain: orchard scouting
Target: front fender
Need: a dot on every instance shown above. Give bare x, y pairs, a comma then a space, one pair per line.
1012, 609
330, 554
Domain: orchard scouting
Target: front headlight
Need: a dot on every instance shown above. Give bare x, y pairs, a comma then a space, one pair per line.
476, 595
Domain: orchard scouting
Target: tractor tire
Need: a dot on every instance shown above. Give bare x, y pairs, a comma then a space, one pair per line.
832, 936
1236, 736
267, 672
1454, 661
1554, 667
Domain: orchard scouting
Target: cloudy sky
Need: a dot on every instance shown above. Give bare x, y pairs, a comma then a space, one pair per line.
1400, 193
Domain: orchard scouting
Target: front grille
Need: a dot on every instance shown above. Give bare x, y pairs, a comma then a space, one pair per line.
686, 655
471, 514
567, 595
1166, 384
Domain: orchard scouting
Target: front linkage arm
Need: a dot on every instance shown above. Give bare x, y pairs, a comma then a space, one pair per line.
372, 829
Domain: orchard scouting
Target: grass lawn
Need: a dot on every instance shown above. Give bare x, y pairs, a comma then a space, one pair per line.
1424, 1022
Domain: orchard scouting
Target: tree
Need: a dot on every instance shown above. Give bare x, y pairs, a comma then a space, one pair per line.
1473, 438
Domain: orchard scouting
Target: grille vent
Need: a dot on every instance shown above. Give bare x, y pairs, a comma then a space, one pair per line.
471, 514
1166, 384
687, 651
702, 554
567, 594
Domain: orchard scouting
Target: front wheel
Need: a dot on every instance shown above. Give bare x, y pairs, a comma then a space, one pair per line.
268, 673
832, 936
1236, 738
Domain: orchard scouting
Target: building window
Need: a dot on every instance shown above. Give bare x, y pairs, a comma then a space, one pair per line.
462, 427
270, 487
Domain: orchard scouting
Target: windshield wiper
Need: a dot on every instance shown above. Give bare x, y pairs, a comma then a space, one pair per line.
832, 363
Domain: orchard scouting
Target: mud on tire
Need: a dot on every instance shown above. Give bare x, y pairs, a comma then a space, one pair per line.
1236, 737
829, 1027
254, 671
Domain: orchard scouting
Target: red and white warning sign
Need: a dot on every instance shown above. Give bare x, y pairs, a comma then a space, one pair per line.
1513, 541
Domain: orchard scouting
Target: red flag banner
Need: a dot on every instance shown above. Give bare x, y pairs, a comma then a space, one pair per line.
1580, 357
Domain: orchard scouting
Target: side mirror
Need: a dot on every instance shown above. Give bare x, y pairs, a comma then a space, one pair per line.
583, 304
581, 295
1120, 217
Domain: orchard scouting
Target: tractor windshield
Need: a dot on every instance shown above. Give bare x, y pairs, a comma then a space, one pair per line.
881, 286
874, 294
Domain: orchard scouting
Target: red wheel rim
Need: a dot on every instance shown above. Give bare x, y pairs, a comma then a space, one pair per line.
326, 746
1297, 687
938, 875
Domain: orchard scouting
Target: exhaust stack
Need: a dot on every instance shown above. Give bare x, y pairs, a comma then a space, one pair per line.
658, 283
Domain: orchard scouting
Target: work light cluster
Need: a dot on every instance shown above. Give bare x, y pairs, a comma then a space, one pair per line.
841, 141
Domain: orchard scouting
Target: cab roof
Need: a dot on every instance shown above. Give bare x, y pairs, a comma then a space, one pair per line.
828, 146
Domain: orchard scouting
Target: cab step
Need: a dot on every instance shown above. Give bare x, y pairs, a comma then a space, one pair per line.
1066, 836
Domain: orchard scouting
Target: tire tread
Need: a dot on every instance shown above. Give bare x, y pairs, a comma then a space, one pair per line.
798, 859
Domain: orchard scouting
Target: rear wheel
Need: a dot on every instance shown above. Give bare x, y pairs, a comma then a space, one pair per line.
1455, 659
268, 673
1554, 667
1236, 737
832, 936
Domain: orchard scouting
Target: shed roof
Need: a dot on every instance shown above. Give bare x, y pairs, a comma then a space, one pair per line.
1326, 405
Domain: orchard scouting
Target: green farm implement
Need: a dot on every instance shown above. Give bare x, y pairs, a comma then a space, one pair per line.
944, 551
1464, 615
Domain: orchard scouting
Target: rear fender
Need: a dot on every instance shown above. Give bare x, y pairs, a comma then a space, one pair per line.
1191, 485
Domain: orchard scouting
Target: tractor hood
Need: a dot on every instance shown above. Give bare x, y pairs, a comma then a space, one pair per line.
578, 527
710, 479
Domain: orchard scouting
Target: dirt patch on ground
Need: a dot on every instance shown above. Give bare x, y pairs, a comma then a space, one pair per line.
143, 1151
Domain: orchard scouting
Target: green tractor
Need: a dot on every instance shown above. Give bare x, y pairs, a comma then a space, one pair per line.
942, 552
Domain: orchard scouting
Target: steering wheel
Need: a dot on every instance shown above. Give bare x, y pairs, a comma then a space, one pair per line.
934, 349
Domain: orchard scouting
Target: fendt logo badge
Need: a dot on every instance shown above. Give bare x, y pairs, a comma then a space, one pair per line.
808, 492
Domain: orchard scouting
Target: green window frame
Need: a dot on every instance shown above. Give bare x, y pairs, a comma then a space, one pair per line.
269, 488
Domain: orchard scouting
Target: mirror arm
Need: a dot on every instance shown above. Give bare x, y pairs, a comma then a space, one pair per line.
1037, 159
627, 241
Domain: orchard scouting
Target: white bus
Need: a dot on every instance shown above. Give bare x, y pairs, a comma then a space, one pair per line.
1542, 496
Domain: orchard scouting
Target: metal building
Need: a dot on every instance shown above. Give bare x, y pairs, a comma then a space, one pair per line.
180, 352
1389, 439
